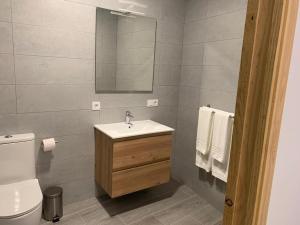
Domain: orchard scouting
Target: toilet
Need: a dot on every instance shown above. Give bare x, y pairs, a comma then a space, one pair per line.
20, 192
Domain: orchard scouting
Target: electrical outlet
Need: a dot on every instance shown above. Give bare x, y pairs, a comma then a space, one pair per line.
96, 106
152, 102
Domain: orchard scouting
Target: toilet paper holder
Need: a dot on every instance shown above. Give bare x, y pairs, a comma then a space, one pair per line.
48, 144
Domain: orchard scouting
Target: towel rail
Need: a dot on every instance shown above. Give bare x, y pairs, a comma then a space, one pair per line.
209, 106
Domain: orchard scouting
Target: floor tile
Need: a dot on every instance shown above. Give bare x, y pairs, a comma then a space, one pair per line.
69, 220
188, 220
148, 221
94, 215
79, 206
144, 211
207, 215
177, 212
107, 221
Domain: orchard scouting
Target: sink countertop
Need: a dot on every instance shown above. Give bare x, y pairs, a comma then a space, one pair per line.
122, 130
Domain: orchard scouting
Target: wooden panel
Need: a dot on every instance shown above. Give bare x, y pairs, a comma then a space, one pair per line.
131, 180
132, 153
265, 63
103, 161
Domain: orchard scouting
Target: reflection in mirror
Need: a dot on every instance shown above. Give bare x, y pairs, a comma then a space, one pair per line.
125, 49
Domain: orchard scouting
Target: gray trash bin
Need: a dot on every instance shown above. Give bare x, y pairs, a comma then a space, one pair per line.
53, 204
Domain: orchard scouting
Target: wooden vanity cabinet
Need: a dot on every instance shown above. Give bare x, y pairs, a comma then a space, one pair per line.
126, 165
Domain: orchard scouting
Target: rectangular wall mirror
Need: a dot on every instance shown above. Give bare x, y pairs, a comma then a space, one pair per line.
125, 52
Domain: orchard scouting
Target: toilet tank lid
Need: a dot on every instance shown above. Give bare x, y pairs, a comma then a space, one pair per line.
15, 138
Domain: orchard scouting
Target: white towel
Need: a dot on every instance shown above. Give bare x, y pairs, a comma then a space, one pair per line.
221, 135
204, 131
204, 161
220, 169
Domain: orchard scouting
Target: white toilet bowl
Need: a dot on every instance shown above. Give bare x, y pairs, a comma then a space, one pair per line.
21, 203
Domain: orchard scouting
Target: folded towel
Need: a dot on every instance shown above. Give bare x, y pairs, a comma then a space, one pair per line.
204, 131
204, 161
220, 169
221, 135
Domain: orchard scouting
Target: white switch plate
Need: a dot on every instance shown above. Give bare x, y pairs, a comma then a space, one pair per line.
152, 102
96, 106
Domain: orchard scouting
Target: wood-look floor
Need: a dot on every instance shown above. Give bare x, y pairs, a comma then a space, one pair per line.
170, 204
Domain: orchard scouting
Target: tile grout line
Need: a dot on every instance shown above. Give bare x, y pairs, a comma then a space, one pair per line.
216, 15
13, 54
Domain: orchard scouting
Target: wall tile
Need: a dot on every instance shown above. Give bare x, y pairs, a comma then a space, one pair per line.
166, 115
43, 98
218, 99
49, 70
55, 124
168, 95
191, 76
173, 9
195, 32
170, 54
8, 124
223, 53
189, 96
217, 7
6, 44
217, 78
124, 100
195, 10
55, 14
169, 74
186, 127
193, 54
169, 31
67, 146
5, 10
58, 172
227, 26
41, 41
7, 69
7, 99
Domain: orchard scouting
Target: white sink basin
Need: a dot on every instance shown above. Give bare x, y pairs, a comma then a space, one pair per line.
121, 130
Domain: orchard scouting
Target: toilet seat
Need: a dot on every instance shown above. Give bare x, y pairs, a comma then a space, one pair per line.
20, 198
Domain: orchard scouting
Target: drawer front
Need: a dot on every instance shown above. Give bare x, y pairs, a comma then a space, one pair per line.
135, 179
142, 151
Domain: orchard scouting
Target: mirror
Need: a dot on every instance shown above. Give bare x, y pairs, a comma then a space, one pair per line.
125, 49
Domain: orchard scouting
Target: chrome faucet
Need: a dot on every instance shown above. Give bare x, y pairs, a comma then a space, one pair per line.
128, 118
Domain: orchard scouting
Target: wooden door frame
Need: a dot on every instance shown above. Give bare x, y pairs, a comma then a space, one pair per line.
267, 48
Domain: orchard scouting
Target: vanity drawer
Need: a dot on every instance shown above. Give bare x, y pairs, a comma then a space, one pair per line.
137, 152
135, 179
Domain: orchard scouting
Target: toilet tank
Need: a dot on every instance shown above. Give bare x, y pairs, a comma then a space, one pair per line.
17, 158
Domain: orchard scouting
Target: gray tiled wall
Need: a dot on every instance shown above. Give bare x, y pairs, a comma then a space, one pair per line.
213, 32
47, 52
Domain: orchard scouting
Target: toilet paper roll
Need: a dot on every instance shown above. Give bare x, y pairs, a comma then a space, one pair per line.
48, 144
